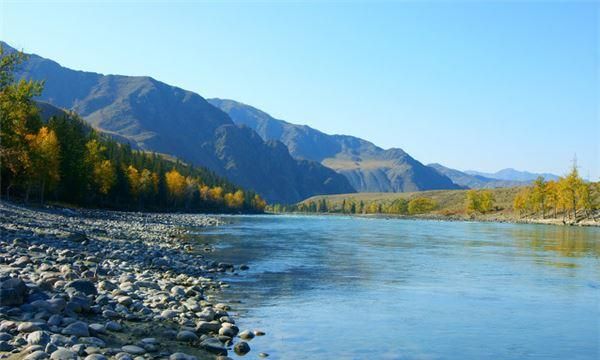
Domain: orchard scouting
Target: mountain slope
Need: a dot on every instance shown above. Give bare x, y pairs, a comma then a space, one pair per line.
474, 181
155, 116
368, 167
514, 175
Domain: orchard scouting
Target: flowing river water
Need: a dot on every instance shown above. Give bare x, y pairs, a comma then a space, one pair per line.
364, 288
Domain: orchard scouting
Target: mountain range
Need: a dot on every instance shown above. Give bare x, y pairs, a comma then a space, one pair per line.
283, 162
514, 175
155, 116
367, 167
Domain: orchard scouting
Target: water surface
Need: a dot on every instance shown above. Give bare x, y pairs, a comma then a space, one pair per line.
359, 288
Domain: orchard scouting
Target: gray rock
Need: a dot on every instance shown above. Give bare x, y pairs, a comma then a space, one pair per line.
133, 350
94, 341
5, 336
186, 336
38, 338
113, 326
204, 327
54, 320
97, 329
181, 356
63, 354
37, 355
169, 314
246, 335
95, 357
85, 286
5, 346
241, 348
214, 346
78, 328
28, 327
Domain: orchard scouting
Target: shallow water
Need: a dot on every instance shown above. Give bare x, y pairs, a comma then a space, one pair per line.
356, 288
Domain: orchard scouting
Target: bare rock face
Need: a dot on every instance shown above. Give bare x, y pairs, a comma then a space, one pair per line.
13, 292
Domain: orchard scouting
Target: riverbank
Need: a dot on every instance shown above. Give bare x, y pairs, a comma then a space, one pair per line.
100, 284
497, 218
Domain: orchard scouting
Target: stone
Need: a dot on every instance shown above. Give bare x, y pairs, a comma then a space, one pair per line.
113, 326
263, 355
95, 357
169, 314
5, 346
78, 328
84, 286
107, 285
125, 300
182, 356
63, 354
5, 336
93, 341
38, 338
246, 335
206, 327
13, 292
214, 346
37, 355
133, 350
27, 327
186, 336
97, 328
241, 348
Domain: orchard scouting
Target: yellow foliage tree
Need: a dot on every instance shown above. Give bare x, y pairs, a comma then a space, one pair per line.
45, 159
421, 205
175, 184
133, 178
216, 194
104, 176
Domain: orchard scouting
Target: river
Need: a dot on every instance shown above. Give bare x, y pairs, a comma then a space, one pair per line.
365, 288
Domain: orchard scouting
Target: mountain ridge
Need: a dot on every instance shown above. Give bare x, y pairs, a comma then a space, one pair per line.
368, 167
155, 116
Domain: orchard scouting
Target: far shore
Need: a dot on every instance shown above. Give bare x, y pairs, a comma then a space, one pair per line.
486, 218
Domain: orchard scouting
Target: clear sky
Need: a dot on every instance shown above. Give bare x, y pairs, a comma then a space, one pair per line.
471, 85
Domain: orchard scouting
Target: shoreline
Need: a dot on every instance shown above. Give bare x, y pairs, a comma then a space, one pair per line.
433, 217
97, 284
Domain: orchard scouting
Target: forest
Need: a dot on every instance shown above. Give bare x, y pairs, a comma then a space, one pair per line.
60, 159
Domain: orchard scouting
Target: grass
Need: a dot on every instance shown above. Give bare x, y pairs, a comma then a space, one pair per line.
450, 202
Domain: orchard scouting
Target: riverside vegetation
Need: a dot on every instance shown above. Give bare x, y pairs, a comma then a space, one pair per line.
569, 200
64, 160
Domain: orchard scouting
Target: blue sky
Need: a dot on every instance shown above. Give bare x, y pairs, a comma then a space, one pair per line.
472, 85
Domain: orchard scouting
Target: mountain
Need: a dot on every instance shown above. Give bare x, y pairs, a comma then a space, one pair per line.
368, 167
514, 175
155, 116
475, 181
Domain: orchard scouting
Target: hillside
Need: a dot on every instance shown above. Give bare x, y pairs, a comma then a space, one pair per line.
367, 167
155, 116
450, 202
475, 181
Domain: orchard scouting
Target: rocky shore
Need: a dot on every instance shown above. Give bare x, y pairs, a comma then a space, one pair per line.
94, 285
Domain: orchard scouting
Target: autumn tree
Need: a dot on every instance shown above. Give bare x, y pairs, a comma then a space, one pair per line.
175, 184
45, 159
421, 205
19, 117
101, 170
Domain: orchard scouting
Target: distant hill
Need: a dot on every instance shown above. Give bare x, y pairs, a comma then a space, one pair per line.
155, 116
475, 181
514, 175
368, 167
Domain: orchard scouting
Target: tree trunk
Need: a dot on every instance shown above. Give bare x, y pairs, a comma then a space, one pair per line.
42, 192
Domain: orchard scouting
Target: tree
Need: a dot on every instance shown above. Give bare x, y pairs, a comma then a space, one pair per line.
539, 194
481, 201
104, 176
421, 205
521, 201
473, 201
45, 159
569, 190
175, 184
18, 118
552, 196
